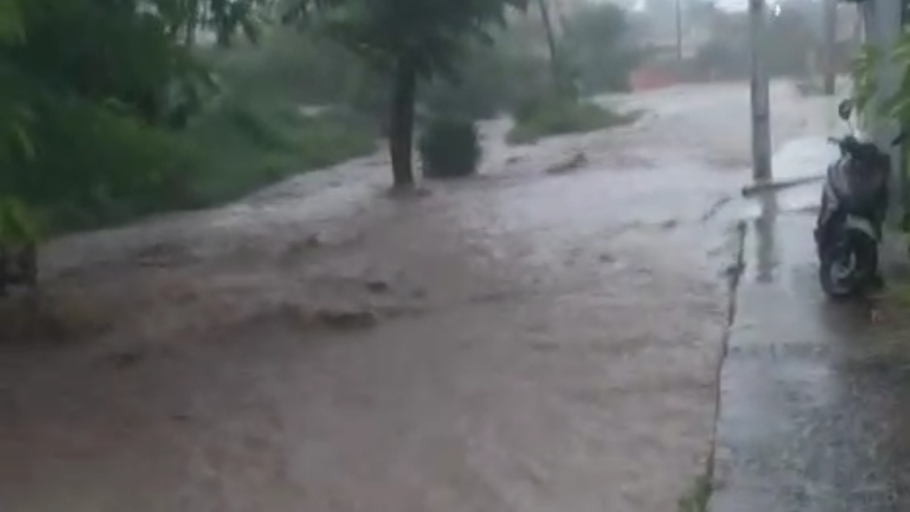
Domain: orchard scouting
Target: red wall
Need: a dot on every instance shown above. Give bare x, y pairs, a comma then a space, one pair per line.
649, 77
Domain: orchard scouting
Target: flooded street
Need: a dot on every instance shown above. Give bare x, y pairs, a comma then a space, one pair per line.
527, 340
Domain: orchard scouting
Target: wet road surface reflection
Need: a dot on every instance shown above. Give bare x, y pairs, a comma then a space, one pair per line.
765, 226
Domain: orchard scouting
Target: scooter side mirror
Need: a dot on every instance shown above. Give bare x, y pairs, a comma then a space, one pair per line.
845, 109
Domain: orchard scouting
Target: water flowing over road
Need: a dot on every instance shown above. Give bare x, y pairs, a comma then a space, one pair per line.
527, 340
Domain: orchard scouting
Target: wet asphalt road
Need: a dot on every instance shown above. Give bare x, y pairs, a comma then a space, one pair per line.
527, 341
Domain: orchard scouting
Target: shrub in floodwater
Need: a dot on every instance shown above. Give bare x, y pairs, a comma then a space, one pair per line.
450, 148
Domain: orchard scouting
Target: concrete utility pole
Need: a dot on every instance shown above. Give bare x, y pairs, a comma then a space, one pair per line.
761, 116
830, 44
679, 36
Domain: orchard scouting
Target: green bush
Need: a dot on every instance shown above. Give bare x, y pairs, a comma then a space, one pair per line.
486, 85
128, 121
449, 148
541, 117
99, 168
94, 164
248, 143
529, 107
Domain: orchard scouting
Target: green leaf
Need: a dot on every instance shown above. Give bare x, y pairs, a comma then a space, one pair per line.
18, 224
11, 27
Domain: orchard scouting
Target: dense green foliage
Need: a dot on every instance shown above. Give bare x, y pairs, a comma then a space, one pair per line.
450, 147
879, 107
876, 105
882, 108
90, 86
82, 108
109, 111
864, 73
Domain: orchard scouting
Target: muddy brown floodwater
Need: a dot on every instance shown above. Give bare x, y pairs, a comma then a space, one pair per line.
525, 340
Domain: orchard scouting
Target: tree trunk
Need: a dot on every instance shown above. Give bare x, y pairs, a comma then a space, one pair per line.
192, 23
401, 123
555, 64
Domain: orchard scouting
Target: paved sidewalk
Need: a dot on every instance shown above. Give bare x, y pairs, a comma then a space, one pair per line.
815, 398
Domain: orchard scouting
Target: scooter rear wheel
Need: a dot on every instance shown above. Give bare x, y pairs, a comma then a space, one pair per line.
847, 269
